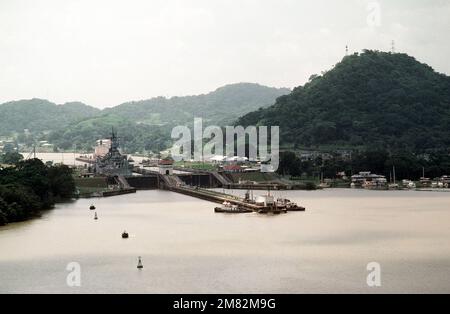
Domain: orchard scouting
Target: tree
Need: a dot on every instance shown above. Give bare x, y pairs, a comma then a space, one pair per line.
290, 164
4, 208
391, 101
61, 182
11, 158
32, 186
9, 148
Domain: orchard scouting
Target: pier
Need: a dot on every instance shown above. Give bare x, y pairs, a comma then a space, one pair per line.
216, 197
175, 184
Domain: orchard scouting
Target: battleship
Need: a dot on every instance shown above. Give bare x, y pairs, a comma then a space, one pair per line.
113, 163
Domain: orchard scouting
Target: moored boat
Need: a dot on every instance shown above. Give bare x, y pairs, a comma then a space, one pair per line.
393, 186
231, 209
273, 211
285, 204
408, 184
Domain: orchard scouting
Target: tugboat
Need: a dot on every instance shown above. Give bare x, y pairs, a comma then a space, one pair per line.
124, 235
92, 207
289, 206
231, 209
269, 205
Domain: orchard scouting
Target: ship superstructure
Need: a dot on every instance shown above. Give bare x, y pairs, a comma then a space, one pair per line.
113, 163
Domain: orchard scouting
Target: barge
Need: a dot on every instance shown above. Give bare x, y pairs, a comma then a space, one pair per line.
229, 208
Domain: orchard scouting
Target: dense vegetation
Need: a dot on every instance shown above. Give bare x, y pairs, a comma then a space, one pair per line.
31, 186
38, 115
142, 125
134, 137
369, 100
220, 107
407, 165
10, 158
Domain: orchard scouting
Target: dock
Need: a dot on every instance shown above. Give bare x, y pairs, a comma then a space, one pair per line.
194, 183
174, 184
216, 197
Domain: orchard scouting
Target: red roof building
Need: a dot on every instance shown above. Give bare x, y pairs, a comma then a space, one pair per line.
233, 168
165, 162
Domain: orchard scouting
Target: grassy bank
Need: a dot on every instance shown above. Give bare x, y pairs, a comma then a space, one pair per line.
87, 186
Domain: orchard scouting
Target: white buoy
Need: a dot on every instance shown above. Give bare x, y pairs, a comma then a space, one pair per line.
140, 266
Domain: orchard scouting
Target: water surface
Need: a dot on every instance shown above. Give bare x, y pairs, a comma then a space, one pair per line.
187, 248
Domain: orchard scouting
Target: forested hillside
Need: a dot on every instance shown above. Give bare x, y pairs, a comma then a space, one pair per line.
142, 125
220, 107
369, 100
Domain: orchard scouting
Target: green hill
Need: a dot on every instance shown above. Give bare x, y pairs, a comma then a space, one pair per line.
38, 115
142, 125
134, 137
219, 107
368, 100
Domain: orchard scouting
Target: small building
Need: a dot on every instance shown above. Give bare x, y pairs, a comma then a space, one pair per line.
344, 154
326, 156
251, 169
217, 159
233, 168
236, 159
165, 166
445, 180
425, 182
368, 179
308, 155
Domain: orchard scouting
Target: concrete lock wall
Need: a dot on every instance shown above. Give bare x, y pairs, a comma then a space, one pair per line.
143, 182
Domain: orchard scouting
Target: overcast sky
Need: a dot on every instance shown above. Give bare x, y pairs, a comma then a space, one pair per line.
107, 52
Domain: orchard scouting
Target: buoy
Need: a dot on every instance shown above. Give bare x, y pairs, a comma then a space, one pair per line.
95, 217
140, 266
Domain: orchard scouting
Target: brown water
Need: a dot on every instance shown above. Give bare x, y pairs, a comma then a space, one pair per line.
187, 248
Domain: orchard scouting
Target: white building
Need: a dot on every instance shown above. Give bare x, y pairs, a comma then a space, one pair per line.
165, 166
368, 178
